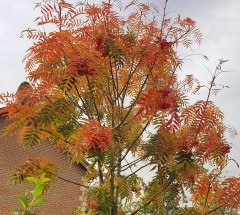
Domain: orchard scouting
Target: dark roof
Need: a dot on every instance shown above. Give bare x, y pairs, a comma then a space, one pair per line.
3, 114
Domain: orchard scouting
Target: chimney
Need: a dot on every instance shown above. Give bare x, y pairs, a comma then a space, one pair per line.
22, 94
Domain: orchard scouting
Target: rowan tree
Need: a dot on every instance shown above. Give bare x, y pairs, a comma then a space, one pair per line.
105, 88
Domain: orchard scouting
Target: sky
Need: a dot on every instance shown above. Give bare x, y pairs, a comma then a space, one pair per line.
218, 20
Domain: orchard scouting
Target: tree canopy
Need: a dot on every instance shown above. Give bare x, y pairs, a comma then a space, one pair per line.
105, 88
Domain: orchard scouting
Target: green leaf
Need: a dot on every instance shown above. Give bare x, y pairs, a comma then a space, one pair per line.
15, 213
38, 190
45, 180
23, 201
38, 201
27, 192
32, 180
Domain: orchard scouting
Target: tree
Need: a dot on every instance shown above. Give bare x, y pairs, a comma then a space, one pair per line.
99, 82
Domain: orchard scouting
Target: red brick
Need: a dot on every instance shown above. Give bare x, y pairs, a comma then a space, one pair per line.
63, 197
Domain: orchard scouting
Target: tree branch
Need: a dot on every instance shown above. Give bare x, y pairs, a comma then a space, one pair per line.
135, 141
150, 201
125, 87
87, 110
137, 170
222, 205
132, 163
132, 105
72, 182
90, 88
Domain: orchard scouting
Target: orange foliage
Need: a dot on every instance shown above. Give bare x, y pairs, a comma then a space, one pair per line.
96, 137
100, 82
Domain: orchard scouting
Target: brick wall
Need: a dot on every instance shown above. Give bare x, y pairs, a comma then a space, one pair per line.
63, 196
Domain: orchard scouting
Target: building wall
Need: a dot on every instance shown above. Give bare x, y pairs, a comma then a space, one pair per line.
63, 196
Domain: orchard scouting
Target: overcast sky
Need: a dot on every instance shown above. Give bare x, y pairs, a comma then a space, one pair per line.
218, 20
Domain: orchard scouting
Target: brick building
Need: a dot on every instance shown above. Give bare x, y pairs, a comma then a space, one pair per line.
64, 195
